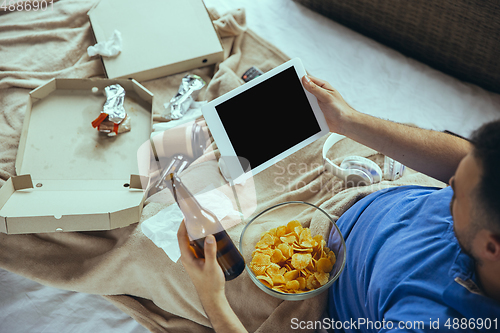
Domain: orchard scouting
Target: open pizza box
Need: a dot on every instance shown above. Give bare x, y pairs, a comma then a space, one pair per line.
159, 38
70, 176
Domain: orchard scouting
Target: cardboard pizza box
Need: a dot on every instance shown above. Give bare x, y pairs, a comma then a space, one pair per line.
70, 176
159, 37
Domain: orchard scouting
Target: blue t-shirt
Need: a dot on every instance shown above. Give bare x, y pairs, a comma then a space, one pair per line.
405, 269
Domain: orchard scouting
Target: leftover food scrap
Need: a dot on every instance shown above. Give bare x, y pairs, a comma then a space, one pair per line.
113, 118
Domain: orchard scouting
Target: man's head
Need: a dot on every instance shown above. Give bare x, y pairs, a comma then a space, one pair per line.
476, 201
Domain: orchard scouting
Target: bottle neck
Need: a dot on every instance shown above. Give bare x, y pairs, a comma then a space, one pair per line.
177, 165
200, 222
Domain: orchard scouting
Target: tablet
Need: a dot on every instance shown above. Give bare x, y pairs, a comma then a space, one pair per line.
263, 121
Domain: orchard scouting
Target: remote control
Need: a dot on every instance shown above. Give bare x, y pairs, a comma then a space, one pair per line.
251, 73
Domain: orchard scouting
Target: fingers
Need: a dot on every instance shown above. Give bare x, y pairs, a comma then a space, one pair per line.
319, 88
181, 236
183, 239
210, 252
322, 83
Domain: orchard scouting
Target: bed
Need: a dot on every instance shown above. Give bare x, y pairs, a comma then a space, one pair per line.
372, 77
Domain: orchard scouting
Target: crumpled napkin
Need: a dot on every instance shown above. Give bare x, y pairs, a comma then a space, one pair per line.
162, 227
109, 48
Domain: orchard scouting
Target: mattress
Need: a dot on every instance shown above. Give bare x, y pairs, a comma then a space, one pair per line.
373, 78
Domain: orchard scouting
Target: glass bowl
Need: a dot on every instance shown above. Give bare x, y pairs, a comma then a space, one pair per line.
309, 215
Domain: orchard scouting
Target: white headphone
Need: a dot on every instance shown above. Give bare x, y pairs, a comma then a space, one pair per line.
353, 169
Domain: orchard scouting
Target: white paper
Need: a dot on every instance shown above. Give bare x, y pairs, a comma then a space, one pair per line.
162, 227
109, 48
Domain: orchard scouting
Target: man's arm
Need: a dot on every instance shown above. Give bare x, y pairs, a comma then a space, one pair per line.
433, 153
221, 315
208, 279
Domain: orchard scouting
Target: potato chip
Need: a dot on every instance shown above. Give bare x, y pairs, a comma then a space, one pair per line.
332, 257
302, 282
291, 226
288, 239
286, 250
305, 235
292, 275
300, 261
280, 288
312, 283
265, 241
308, 243
322, 278
317, 254
261, 245
258, 269
302, 250
267, 251
298, 230
318, 238
273, 269
324, 265
310, 267
266, 280
261, 259
280, 231
278, 257
289, 260
309, 281
279, 279
292, 285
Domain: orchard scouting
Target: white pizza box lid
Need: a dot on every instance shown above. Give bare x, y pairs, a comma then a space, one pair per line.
159, 38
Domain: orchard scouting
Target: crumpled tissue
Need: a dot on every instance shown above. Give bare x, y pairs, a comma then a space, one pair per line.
162, 227
109, 48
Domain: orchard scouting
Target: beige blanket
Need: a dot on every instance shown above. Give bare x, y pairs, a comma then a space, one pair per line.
123, 265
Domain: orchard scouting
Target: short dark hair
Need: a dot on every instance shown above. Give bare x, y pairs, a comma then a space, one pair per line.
486, 142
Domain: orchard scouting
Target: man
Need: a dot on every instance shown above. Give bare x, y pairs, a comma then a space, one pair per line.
412, 266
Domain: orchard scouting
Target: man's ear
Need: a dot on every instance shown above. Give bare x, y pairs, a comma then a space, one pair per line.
492, 246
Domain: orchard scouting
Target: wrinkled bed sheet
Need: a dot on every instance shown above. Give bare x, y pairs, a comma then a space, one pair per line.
372, 78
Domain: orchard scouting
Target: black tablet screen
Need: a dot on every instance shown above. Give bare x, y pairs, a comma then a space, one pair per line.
268, 118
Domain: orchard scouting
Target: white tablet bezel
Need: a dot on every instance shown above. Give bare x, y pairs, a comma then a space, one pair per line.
230, 167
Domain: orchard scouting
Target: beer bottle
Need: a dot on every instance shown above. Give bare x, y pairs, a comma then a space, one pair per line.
200, 223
